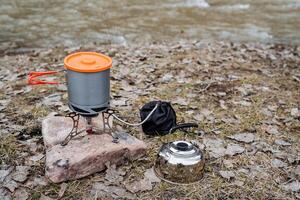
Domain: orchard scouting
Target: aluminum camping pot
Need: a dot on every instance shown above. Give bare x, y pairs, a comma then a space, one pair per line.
88, 81
179, 162
88, 75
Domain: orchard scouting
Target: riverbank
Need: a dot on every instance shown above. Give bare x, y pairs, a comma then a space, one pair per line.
41, 23
227, 88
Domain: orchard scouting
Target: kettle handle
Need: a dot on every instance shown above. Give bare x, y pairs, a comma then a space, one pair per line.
183, 126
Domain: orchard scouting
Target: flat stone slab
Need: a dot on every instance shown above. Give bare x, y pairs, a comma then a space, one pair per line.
56, 128
87, 155
84, 154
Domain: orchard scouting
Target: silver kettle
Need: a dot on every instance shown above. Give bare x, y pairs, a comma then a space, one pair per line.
179, 162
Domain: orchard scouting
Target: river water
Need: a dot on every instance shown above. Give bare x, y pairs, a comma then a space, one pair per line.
43, 23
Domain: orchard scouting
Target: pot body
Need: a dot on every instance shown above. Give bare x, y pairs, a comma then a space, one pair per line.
88, 93
179, 162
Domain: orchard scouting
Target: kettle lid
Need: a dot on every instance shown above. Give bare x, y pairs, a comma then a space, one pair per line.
181, 147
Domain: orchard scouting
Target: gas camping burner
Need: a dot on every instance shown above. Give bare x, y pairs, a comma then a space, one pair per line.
89, 129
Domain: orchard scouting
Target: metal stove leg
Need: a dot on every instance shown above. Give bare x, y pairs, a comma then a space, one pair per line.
105, 118
75, 117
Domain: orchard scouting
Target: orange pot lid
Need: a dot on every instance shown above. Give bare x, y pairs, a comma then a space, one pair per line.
87, 62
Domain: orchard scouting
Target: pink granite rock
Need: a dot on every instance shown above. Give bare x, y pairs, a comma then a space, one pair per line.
86, 155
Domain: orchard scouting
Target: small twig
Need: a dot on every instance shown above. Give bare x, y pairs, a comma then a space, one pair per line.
206, 88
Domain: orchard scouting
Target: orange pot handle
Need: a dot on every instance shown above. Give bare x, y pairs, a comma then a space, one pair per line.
32, 80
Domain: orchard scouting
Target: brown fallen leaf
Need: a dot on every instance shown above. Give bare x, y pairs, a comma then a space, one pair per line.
43, 197
151, 176
282, 142
21, 173
243, 137
270, 129
112, 175
11, 185
278, 163
141, 185
215, 147
295, 112
233, 149
227, 174
21, 194
145, 183
4, 194
4, 173
100, 190
293, 186
62, 190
